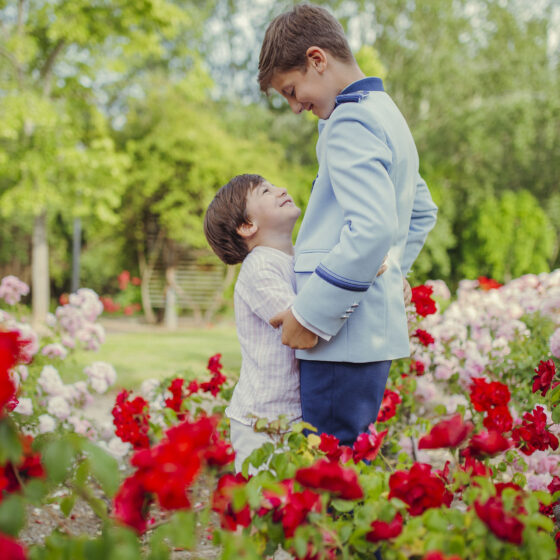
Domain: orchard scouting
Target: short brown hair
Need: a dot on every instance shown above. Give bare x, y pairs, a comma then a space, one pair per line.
290, 34
226, 212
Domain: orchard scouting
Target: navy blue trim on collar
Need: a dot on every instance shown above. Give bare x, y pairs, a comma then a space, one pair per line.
365, 84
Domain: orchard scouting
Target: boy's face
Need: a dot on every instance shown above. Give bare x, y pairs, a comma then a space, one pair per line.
307, 90
271, 209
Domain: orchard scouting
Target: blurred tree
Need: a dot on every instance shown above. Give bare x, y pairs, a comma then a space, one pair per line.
477, 80
181, 152
55, 150
507, 237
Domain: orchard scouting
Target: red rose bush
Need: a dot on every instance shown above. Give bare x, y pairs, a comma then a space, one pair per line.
462, 463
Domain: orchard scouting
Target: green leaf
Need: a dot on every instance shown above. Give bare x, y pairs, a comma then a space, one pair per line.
67, 504
103, 467
554, 395
12, 515
239, 498
123, 544
539, 545
520, 479
57, 456
299, 427
82, 473
35, 490
300, 544
440, 409
10, 446
435, 520
181, 529
343, 506
556, 414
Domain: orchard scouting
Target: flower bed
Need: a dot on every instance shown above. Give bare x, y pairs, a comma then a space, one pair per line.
462, 463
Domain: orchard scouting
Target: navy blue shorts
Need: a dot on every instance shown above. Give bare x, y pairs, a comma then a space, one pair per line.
342, 398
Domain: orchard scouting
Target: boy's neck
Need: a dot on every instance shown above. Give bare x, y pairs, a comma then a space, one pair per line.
279, 242
346, 73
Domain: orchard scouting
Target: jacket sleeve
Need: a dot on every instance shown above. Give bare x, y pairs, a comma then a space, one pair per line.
423, 219
357, 160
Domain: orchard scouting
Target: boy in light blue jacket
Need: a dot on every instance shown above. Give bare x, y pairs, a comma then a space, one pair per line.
367, 201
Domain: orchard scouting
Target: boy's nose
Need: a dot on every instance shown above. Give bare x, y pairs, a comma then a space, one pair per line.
296, 106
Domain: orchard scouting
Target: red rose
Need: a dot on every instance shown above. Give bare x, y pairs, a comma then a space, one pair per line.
505, 526
486, 395
545, 372
554, 485
488, 284
437, 555
131, 420
131, 504
367, 445
499, 419
289, 507
424, 337
330, 445
176, 400
486, 444
422, 300
388, 407
222, 502
417, 367
475, 467
168, 469
326, 475
295, 512
419, 488
533, 433
381, 530
448, 433
11, 352
214, 363
11, 548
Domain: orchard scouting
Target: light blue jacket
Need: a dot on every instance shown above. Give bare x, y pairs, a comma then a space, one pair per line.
367, 201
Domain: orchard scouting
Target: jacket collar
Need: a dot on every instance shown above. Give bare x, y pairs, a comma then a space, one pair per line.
365, 84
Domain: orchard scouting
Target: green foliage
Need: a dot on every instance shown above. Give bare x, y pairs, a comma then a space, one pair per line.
182, 153
369, 61
508, 236
10, 445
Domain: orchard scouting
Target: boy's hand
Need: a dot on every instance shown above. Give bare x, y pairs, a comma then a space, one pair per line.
407, 292
294, 334
383, 266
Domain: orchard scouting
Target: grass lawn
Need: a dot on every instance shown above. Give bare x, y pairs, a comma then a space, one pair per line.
157, 353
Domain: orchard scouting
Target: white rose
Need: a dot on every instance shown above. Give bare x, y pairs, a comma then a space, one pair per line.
46, 423
59, 407
24, 406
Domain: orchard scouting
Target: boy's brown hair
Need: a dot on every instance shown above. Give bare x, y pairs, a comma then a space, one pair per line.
226, 212
290, 34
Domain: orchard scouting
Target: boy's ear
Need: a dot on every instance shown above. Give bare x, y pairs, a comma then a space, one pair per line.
316, 58
247, 230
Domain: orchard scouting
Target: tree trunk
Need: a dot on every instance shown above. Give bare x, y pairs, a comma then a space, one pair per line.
146, 269
40, 271
170, 318
76, 249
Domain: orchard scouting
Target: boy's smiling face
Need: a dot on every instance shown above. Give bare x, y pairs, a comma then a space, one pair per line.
271, 209
311, 89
